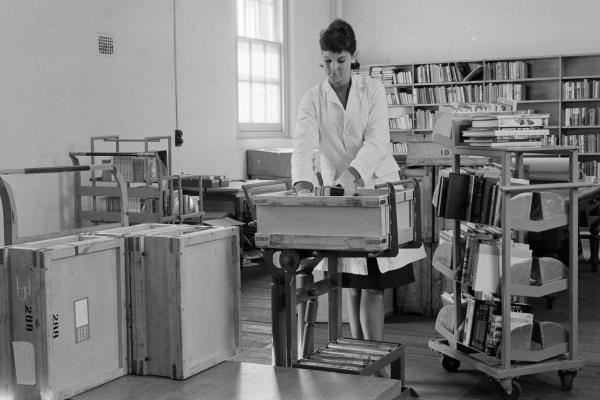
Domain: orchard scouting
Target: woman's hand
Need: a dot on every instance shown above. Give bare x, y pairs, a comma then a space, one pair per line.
347, 181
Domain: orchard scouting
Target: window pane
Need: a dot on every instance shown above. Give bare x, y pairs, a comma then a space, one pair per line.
267, 23
258, 102
243, 60
273, 63
241, 21
258, 61
243, 102
273, 104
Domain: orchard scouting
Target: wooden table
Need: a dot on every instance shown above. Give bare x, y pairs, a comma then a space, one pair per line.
232, 380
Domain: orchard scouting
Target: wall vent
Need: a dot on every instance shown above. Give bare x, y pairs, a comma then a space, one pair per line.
105, 44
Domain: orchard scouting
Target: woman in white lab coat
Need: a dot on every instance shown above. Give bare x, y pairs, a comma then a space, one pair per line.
345, 118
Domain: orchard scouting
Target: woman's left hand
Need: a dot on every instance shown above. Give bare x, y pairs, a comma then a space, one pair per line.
346, 180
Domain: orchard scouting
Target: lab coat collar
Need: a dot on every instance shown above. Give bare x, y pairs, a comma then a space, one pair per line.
357, 83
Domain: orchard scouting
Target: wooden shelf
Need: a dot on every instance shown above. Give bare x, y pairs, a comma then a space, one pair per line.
594, 100
581, 127
540, 355
549, 78
572, 78
449, 83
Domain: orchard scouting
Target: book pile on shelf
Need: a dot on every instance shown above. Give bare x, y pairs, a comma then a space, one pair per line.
137, 205
516, 130
510, 91
190, 203
584, 89
362, 70
448, 94
468, 197
438, 73
425, 119
398, 119
399, 148
581, 116
404, 77
504, 70
397, 97
135, 169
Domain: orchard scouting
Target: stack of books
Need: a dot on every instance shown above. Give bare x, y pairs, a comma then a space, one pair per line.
512, 130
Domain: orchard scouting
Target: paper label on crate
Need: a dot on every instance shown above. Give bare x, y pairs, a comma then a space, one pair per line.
82, 325
24, 356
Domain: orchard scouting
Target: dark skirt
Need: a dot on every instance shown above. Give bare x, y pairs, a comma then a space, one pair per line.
377, 280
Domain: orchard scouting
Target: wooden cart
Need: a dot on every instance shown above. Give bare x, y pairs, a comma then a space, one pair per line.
295, 233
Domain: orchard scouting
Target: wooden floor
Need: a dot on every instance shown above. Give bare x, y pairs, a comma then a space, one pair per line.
424, 372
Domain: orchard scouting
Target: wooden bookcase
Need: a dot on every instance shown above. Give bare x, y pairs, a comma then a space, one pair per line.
537, 83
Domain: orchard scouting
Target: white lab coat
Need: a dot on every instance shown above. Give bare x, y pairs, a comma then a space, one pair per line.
357, 136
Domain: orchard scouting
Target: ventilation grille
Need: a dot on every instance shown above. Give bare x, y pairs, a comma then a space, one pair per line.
105, 44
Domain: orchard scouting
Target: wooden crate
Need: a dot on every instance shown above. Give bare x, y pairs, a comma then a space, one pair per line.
66, 315
133, 239
185, 299
343, 223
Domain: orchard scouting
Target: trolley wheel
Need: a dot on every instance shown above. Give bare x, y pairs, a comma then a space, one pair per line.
566, 379
450, 364
514, 393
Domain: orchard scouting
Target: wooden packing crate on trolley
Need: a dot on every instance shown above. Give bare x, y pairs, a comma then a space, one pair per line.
347, 223
185, 298
66, 315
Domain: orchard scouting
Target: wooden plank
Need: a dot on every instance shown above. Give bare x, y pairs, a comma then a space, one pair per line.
141, 192
231, 380
288, 198
311, 242
199, 324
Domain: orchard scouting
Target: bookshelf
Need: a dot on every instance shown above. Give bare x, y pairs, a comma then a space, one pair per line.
546, 85
513, 359
154, 195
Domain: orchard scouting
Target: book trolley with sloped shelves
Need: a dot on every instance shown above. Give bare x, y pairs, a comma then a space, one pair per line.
511, 363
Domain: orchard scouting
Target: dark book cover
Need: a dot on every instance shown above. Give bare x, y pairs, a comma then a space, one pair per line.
457, 196
486, 202
443, 190
477, 199
480, 325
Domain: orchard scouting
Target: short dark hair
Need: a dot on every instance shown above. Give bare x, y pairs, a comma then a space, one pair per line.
338, 36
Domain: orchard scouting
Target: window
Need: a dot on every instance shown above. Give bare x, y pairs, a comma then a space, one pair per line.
260, 67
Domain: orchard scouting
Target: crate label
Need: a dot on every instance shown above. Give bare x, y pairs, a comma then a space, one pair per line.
82, 325
24, 356
55, 326
23, 289
28, 318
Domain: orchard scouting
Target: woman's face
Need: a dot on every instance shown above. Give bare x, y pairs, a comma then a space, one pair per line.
337, 67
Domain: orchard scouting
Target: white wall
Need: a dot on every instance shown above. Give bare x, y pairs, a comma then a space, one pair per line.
392, 31
56, 91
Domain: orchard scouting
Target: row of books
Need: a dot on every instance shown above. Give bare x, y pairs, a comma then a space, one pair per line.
590, 168
399, 148
502, 70
134, 168
400, 122
396, 97
581, 116
438, 73
425, 119
113, 204
468, 197
482, 325
584, 89
510, 91
448, 94
587, 143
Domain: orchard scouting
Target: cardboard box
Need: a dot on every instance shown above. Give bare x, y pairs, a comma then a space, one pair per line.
66, 318
269, 163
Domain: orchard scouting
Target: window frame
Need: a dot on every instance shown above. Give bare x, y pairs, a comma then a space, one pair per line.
254, 130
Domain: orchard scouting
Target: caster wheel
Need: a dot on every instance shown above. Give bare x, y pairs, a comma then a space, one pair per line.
515, 391
450, 364
566, 379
